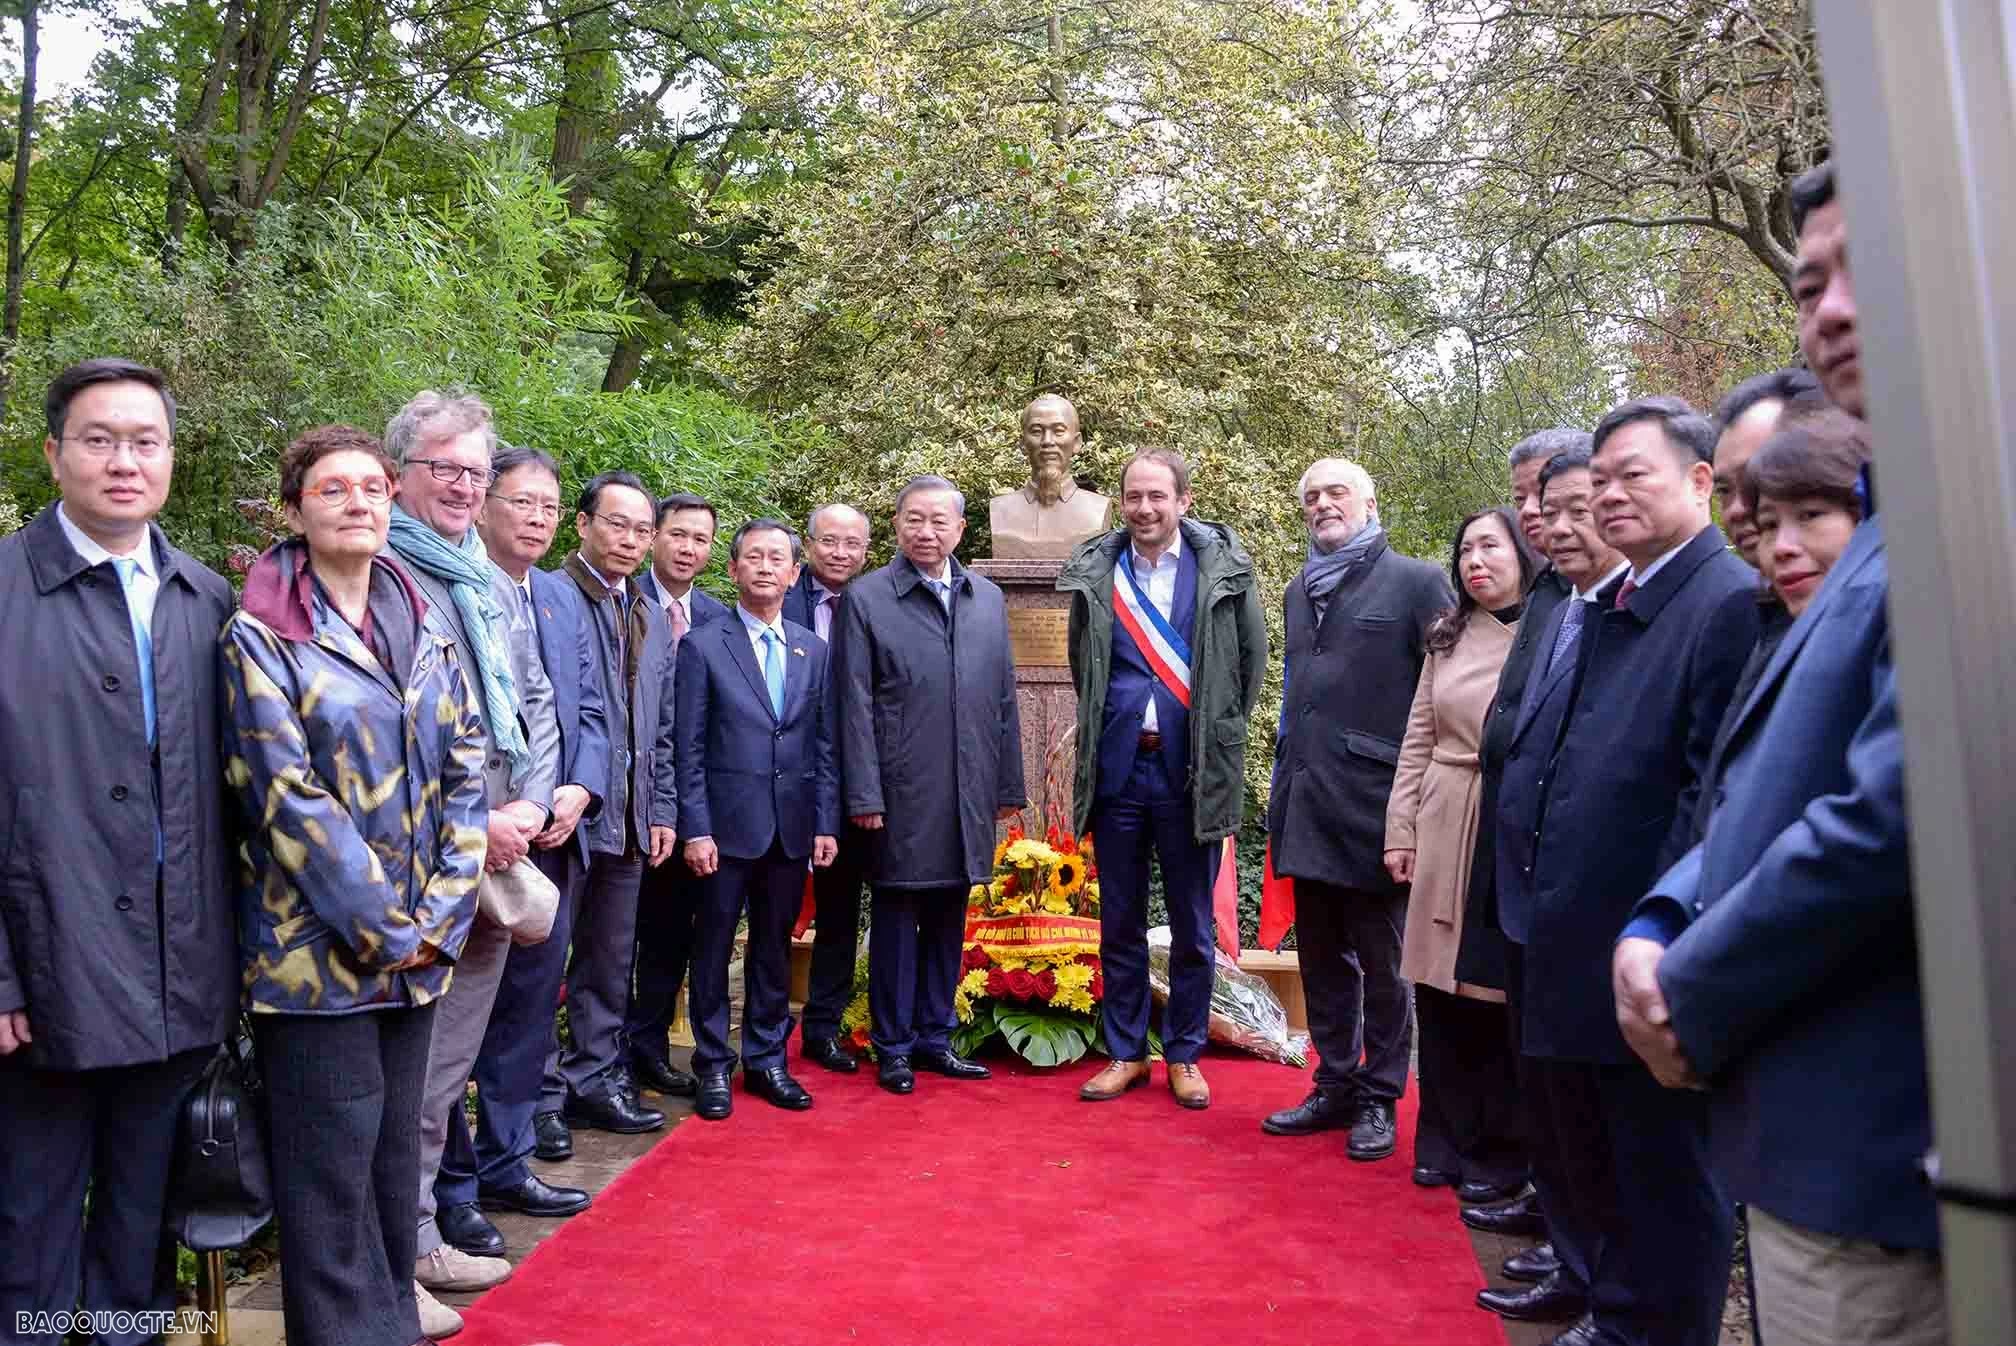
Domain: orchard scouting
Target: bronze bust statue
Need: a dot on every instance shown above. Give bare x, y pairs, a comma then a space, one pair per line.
1052, 513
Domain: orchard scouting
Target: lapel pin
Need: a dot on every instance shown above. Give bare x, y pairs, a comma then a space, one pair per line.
798, 650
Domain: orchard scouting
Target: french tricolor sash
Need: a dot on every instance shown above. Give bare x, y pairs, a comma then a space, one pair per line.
1167, 653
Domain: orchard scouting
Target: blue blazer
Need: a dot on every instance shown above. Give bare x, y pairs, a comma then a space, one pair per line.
567, 648
1131, 684
705, 606
747, 776
1598, 793
1792, 971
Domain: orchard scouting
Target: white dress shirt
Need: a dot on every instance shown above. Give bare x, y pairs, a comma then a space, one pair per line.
1588, 595
1640, 578
1158, 586
140, 594
756, 628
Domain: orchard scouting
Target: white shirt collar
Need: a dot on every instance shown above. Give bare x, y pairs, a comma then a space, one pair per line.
1641, 578
1588, 595
757, 626
1173, 552
944, 575
607, 583
93, 554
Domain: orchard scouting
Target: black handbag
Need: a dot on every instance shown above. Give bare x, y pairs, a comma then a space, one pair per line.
222, 1192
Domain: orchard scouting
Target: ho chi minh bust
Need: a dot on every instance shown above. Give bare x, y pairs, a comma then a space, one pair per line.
1052, 513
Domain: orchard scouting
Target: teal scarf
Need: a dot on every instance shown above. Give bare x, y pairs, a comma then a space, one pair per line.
466, 572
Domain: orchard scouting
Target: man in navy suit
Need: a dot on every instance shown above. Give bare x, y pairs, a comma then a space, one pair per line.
1777, 961
758, 795
517, 524
680, 552
836, 550
1597, 799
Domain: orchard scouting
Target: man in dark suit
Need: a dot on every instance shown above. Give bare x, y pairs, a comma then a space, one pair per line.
1597, 799
1168, 648
758, 795
1357, 622
636, 826
679, 555
118, 933
517, 524
931, 760
836, 549
1777, 960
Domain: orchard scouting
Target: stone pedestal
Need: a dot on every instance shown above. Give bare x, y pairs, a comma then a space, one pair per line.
1038, 617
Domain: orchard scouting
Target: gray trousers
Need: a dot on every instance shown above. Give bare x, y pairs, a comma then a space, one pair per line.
459, 1020
1815, 1289
598, 980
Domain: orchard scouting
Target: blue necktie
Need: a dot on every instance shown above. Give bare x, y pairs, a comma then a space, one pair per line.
1570, 633
773, 670
143, 642
944, 592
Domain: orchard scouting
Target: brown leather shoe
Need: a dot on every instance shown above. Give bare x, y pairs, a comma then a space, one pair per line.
1187, 1083
1116, 1079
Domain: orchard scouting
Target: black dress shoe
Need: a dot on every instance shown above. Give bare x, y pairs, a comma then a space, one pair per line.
1318, 1112
1434, 1177
1551, 1301
1515, 1219
656, 1072
952, 1065
616, 1109
533, 1197
775, 1085
829, 1053
1533, 1266
713, 1102
465, 1227
1479, 1193
1582, 1333
551, 1140
893, 1073
1371, 1132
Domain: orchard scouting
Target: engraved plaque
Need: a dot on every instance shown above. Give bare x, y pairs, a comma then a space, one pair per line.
1040, 637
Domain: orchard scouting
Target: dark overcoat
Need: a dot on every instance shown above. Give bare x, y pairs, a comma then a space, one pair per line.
642, 792
1348, 684
573, 660
930, 737
110, 972
1599, 788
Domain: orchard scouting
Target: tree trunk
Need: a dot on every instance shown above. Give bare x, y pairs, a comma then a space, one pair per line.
177, 222
1060, 116
17, 200
624, 363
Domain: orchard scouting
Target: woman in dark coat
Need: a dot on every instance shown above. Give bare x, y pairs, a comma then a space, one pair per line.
356, 750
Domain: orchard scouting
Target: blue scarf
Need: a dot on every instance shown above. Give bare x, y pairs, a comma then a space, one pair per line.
1325, 571
466, 571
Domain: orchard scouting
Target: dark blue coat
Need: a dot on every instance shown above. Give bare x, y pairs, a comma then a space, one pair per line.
798, 601
1133, 682
749, 778
1794, 987
1599, 787
573, 665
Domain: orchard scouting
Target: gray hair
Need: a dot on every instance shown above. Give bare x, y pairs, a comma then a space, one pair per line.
435, 415
929, 482
1686, 429
812, 519
1545, 444
1353, 473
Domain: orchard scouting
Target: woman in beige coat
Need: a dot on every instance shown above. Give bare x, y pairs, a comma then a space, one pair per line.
1468, 1128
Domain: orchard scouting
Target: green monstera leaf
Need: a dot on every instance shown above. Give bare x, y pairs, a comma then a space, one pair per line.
1045, 1039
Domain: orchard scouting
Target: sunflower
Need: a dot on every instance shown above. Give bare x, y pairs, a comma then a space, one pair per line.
1067, 876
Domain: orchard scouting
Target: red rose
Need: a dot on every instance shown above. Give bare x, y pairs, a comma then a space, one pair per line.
1021, 984
997, 983
976, 958
1090, 960
1046, 984
1098, 986
1008, 886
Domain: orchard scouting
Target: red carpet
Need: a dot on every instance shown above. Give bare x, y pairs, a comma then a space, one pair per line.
1003, 1213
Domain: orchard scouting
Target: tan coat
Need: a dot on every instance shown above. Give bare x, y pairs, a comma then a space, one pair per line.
1433, 808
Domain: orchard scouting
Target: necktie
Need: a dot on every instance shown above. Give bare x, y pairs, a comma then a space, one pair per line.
773, 670
944, 592
1625, 590
143, 640
1570, 633
822, 616
676, 613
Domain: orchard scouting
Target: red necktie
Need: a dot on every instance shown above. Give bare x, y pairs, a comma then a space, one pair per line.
1624, 592
677, 614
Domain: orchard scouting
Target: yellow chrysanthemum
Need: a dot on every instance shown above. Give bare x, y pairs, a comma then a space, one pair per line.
973, 984
1078, 999
1056, 903
999, 852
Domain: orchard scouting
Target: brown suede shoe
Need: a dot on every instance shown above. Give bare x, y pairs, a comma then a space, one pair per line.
1116, 1079
1187, 1083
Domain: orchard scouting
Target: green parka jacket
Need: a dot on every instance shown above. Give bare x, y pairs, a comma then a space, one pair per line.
1228, 658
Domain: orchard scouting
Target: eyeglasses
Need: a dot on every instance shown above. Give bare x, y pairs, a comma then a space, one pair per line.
146, 448
844, 545
643, 532
447, 471
336, 492
530, 507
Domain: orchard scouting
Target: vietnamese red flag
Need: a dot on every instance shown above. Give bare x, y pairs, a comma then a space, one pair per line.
1277, 905
1225, 901
805, 908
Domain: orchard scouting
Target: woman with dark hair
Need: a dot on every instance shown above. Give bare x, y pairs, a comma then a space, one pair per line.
1804, 490
355, 746
1467, 1134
